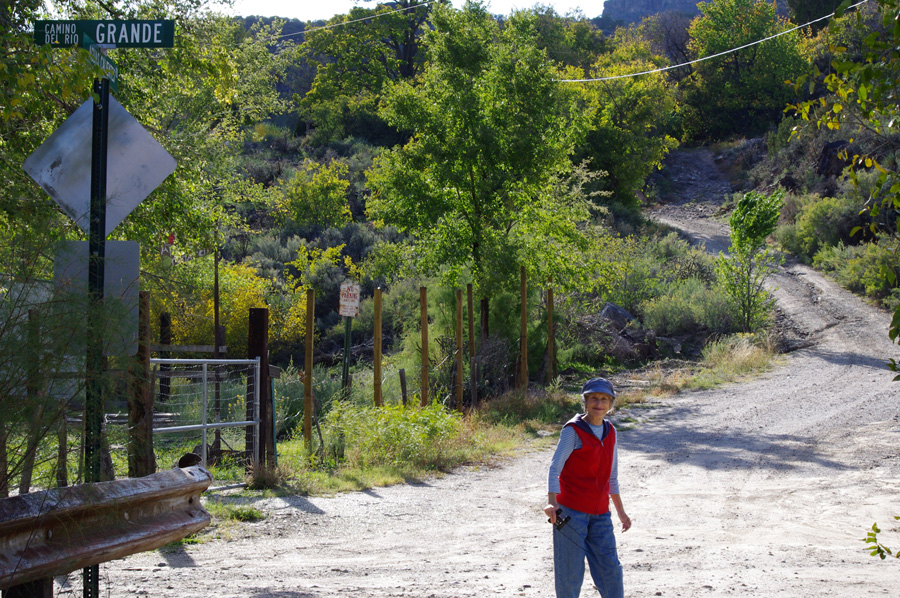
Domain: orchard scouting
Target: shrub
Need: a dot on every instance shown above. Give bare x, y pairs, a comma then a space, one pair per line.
860, 268
390, 435
821, 223
690, 305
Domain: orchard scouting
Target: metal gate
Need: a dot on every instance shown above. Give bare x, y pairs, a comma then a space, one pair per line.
203, 395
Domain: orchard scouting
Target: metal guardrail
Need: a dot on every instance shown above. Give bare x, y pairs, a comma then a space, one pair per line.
55, 532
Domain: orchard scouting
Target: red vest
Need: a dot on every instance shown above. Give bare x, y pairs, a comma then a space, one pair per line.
584, 481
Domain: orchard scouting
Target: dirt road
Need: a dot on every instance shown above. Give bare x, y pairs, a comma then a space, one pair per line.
758, 489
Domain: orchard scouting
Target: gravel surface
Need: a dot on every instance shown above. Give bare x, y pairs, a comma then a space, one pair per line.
764, 488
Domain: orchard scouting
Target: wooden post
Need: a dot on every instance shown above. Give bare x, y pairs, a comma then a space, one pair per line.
523, 338
4, 463
62, 450
165, 339
258, 346
473, 370
376, 366
551, 336
141, 460
423, 308
459, 350
308, 368
403, 385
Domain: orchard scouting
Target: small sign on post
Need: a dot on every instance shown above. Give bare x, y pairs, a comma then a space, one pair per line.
349, 308
101, 60
349, 300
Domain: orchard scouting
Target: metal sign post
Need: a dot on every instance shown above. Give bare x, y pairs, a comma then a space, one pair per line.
105, 34
93, 401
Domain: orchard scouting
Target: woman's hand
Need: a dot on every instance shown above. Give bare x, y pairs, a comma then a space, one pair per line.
552, 507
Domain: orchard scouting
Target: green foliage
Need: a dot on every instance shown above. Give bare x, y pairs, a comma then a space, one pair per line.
628, 133
754, 219
367, 436
819, 224
863, 97
492, 134
318, 194
234, 512
689, 306
804, 11
861, 268
876, 548
353, 63
744, 272
741, 92
571, 40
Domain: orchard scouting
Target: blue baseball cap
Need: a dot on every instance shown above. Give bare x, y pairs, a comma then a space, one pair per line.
598, 385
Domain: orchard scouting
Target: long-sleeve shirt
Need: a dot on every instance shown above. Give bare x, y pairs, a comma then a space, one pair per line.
568, 442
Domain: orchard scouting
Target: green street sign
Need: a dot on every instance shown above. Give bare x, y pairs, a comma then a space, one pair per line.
101, 60
107, 34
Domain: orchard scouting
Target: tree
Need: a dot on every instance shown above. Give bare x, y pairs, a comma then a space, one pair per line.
318, 194
750, 263
571, 40
863, 101
355, 60
804, 11
744, 91
630, 119
492, 134
667, 34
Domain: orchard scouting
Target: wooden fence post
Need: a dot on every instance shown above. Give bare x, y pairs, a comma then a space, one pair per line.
473, 369
62, 450
523, 338
165, 339
551, 335
376, 366
4, 463
423, 307
459, 350
258, 346
403, 385
308, 368
141, 459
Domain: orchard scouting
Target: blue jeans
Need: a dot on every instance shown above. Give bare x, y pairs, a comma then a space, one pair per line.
588, 536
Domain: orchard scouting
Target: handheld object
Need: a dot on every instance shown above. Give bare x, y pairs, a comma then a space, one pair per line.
560, 520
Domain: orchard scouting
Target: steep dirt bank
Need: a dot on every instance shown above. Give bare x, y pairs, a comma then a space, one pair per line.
756, 489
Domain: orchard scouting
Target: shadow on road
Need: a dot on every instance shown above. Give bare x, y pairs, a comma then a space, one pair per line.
677, 442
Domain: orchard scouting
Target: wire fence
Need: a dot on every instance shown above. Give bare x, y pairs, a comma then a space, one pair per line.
495, 375
209, 407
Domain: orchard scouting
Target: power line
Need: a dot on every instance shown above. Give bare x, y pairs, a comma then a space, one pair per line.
675, 66
342, 23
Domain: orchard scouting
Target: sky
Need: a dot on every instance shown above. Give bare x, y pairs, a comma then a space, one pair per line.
311, 10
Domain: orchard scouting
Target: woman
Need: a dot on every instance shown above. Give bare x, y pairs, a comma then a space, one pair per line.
583, 479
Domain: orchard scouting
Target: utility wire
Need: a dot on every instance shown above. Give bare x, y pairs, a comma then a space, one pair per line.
342, 23
675, 66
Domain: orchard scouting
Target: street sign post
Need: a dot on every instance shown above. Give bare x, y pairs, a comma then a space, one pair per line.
109, 34
101, 34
